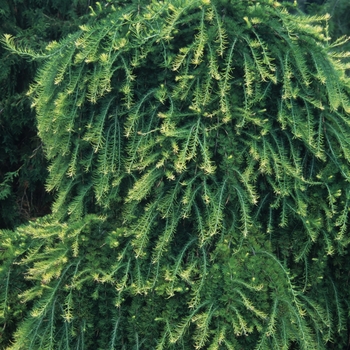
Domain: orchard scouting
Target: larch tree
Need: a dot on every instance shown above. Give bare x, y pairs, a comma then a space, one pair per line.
199, 157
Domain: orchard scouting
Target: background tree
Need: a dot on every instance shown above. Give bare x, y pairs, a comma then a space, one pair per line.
22, 164
339, 10
200, 158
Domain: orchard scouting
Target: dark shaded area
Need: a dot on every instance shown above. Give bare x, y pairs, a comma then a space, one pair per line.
22, 162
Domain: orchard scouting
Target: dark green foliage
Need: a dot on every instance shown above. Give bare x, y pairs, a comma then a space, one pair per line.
339, 10
22, 165
199, 152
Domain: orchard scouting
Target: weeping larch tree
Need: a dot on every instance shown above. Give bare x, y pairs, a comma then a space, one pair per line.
199, 157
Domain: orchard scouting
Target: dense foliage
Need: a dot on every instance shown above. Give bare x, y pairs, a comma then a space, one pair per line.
199, 152
22, 163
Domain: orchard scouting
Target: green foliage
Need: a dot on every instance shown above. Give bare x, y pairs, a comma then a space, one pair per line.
34, 23
199, 152
338, 25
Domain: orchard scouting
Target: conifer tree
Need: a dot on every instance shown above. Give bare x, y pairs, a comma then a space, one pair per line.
199, 153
